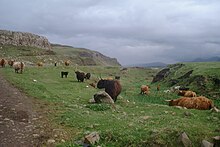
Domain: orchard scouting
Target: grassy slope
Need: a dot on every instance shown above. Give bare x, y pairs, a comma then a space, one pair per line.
139, 120
208, 70
58, 54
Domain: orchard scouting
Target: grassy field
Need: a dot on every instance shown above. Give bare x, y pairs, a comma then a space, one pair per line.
139, 120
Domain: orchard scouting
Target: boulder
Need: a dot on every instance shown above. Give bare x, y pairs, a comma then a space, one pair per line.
103, 97
206, 144
184, 140
92, 138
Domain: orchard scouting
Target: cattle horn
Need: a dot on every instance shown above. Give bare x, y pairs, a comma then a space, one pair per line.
167, 100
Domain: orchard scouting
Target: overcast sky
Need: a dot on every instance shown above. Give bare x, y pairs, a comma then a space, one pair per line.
133, 31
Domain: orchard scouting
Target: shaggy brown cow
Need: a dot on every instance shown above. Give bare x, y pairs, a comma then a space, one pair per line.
67, 63
11, 62
18, 66
201, 103
2, 62
39, 64
158, 87
80, 76
145, 89
112, 87
187, 93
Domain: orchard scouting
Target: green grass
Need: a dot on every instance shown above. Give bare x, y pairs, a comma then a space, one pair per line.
139, 120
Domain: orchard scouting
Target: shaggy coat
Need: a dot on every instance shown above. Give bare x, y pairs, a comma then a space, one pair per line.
11, 62
67, 63
80, 76
201, 103
64, 73
40, 64
145, 89
112, 87
187, 93
18, 66
117, 77
2, 62
87, 76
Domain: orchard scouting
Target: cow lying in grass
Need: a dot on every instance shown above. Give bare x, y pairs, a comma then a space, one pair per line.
201, 103
187, 93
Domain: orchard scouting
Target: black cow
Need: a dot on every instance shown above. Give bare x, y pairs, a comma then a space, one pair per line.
112, 87
64, 73
87, 76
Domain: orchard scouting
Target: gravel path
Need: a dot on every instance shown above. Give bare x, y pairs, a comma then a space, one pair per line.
19, 119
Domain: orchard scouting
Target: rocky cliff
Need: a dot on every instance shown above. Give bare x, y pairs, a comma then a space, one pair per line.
23, 39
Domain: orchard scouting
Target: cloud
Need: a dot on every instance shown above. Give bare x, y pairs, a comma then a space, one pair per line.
144, 31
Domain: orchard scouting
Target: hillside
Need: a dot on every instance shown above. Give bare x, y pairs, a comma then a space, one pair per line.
82, 56
32, 48
202, 77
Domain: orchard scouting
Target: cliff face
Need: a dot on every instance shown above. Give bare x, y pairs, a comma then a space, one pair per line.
23, 39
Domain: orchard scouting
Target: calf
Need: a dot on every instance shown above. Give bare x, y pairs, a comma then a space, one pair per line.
145, 89
64, 73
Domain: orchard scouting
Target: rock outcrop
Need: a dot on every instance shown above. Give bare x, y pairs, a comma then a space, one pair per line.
23, 39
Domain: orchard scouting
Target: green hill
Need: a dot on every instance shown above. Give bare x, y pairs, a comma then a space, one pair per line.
202, 77
58, 53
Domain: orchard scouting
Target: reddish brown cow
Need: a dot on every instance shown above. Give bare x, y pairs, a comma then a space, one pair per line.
67, 63
201, 103
11, 62
187, 93
145, 89
2, 62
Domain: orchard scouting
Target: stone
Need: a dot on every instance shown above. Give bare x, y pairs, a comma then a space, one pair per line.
92, 138
216, 141
184, 140
23, 39
205, 143
103, 97
51, 141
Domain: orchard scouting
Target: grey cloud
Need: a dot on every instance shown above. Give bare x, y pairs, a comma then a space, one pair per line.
144, 31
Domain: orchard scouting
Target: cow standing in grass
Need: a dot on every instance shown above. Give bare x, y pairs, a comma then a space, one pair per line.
80, 76
18, 66
87, 76
2, 62
112, 87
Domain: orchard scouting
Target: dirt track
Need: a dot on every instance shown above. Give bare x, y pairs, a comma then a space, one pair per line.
19, 118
